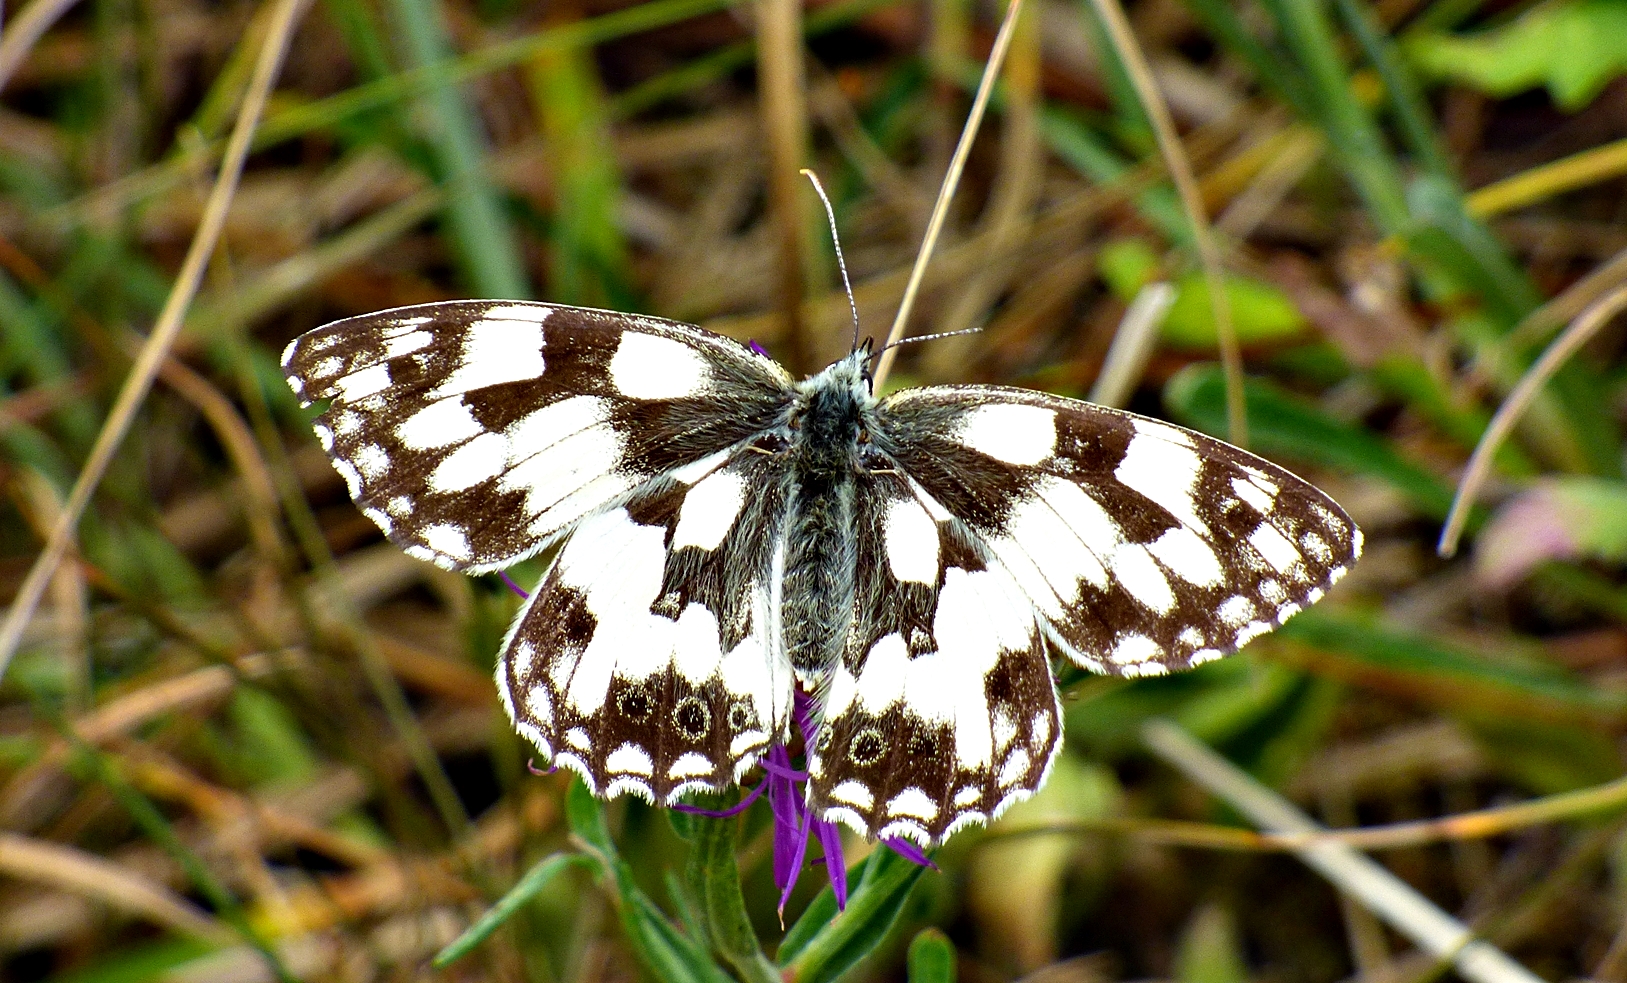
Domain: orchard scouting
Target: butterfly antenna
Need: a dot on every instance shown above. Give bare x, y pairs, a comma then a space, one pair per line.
912, 339
836, 240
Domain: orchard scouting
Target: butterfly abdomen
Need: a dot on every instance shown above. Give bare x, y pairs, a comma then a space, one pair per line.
819, 573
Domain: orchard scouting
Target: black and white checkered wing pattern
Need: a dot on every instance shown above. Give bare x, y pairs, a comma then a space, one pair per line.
943, 711
475, 432
649, 660
1143, 547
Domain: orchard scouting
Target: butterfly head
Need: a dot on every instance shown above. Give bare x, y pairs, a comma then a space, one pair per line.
833, 411
854, 374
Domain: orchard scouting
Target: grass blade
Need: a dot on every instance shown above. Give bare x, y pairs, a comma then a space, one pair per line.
528, 887
486, 244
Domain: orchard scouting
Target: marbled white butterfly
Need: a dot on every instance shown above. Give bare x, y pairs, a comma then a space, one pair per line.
728, 534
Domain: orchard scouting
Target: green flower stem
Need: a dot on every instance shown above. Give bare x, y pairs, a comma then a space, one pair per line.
714, 879
883, 887
1407, 103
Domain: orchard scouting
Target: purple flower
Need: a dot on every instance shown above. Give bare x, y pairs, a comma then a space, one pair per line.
795, 823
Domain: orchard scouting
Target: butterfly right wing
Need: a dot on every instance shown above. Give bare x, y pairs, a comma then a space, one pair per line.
649, 659
475, 432
1143, 547
1009, 520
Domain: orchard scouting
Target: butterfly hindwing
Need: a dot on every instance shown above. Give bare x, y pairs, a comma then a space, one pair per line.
1143, 547
475, 432
649, 659
943, 711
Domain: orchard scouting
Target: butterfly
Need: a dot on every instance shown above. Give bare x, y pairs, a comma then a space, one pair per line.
728, 535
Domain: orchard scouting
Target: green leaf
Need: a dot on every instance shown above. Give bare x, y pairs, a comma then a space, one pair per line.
588, 262
1283, 425
1546, 759
142, 963
1575, 48
668, 953
823, 945
585, 816
1073, 140
689, 909
528, 887
1260, 312
931, 958
479, 226
1446, 234
1487, 679
271, 746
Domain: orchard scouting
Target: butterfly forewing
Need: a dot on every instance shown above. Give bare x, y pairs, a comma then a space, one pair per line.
475, 432
649, 659
1144, 547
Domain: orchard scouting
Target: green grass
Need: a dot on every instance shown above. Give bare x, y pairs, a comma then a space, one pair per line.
264, 712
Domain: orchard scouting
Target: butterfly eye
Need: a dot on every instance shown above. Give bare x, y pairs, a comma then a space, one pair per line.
874, 461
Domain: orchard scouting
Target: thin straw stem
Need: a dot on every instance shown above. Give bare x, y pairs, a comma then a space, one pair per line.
946, 193
1580, 332
1360, 877
168, 325
1186, 186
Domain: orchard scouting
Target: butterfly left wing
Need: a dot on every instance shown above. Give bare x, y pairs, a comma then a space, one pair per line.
942, 712
474, 433
649, 659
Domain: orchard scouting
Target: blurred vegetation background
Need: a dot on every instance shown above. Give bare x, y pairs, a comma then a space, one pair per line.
245, 737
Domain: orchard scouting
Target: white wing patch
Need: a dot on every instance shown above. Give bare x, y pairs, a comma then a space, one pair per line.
514, 420
709, 510
911, 540
648, 366
496, 351
1162, 465
635, 674
440, 424
922, 745
1015, 433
